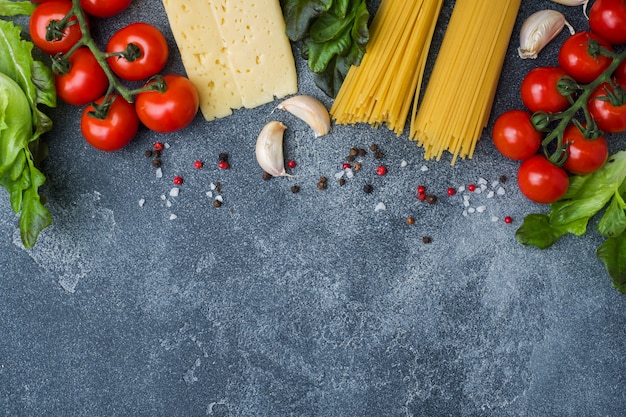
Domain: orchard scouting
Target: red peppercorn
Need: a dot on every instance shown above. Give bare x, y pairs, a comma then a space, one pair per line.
421, 189
451, 191
421, 196
291, 164
471, 187
381, 170
508, 220
346, 165
223, 165
198, 164
158, 146
178, 180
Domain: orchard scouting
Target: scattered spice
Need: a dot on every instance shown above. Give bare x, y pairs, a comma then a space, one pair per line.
357, 166
368, 188
295, 189
218, 187
451, 191
410, 220
381, 170
321, 185
178, 180
421, 196
354, 152
198, 164
323, 179
427, 239
217, 203
379, 155
502, 178
341, 181
431, 199
350, 158
508, 220
362, 152
156, 154
373, 147
223, 164
158, 146
148, 153
346, 165
471, 187
421, 189
156, 163
266, 176
223, 156
291, 164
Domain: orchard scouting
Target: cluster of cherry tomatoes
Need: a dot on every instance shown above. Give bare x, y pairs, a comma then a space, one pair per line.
88, 76
573, 104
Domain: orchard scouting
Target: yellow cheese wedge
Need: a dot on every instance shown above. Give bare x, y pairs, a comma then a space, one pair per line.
235, 52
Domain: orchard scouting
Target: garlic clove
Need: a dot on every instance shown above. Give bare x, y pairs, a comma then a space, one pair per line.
310, 110
538, 30
583, 3
269, 149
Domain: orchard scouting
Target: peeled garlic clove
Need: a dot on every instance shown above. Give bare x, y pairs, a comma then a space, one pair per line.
310, 110
574, 3
269, 149
538, 30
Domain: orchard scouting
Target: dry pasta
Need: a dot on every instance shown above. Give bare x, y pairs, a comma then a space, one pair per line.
457, 102
381, 89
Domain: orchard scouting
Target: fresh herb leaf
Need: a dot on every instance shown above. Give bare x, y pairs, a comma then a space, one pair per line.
299, 14
613, 254
25, 84
16, 8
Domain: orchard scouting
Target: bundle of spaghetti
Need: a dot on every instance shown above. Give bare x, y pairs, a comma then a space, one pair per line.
457, 102
380, 90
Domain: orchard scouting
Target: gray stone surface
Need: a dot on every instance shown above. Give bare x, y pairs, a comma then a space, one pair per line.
308, 304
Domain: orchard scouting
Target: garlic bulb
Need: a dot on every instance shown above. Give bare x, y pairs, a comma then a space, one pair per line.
269, 149
310, 110
538, 30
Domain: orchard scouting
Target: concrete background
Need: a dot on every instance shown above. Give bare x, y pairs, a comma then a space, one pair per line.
308, 304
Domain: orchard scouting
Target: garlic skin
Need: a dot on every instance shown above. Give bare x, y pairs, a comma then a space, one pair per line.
538, 30
583, 3
269, 149
310, 110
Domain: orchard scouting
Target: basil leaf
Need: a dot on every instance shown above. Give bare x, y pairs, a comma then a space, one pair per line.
15, 8
537, 231
613, 254
299, 15
613, 222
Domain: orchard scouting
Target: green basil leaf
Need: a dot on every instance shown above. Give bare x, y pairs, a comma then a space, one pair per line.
299, 15
613, 222
537, 231
320, 54
613, 254
16, 8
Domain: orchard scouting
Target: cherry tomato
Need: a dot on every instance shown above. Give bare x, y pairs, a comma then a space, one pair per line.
170, 110
584, 155
620, 73
574, 57
104, 8
41, 17
86, 80
541, 181
607, 18
610, 118
515, 136
113, 132
153, 51
539, 90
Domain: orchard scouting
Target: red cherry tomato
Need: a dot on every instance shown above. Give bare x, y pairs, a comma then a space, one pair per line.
515, 136
584, 155
541, 181
609, 118
113, 132
539, 90
152, 52
170, 110
607, 18
86, 80
575, 59
41, 17
104, 8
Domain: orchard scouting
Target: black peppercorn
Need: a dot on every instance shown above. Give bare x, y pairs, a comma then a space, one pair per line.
502, 178
368, 188
431, 199
350, 158
373, 147
156, 163
217, 203
156, 154
362, 152
223, 156
148, 153
342, 181
323, 179
379, 154
321, 185
266, 176
410, 220
357, 166
427, 239
354, 151
218, 187
295, 189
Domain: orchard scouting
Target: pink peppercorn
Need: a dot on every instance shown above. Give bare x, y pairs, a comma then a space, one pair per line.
158, 146
508, 220
178, 180
451, 191
223, 165
471, 187
198, 164
291, 164
421, 189
346, 165
381, 170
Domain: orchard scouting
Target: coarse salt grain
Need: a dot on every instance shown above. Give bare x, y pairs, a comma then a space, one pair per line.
380, 206
482, 181
159, 173
481, 209
461, 188
424, 168
403, 163
219, 198
163, 197
142, 201
465, 213
494, 218
166, 145
174, 192
500, 191
212, 186
494, 184
339, 174
173, 216
349, 173
483, 187
168, 204
490, 194
466, 203
471, 210
209, 194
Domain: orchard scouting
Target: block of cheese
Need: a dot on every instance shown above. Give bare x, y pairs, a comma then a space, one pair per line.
235, 52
